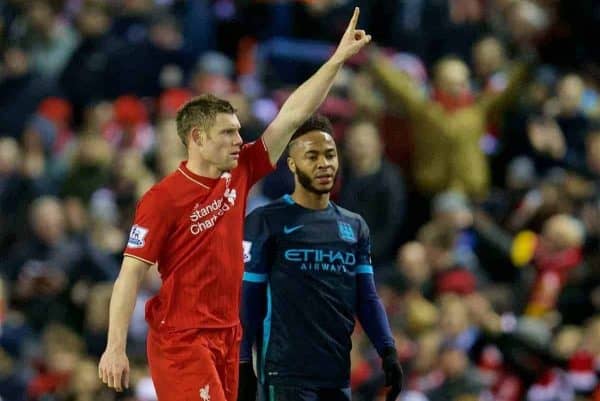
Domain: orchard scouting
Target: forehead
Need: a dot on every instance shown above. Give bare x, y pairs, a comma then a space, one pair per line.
315, 140
362, 130
453, 69
226, 120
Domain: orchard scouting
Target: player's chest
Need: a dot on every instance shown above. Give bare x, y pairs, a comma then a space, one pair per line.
338, 232
325, 249
211, 211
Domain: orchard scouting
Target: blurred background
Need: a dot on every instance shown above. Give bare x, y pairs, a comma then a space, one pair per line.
470, 142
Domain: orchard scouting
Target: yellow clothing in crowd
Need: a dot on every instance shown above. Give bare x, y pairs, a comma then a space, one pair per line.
447, 143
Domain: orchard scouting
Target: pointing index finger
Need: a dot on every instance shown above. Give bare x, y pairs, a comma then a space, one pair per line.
354, 19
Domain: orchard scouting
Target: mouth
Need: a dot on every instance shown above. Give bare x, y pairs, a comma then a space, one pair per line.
235, 155
324, 179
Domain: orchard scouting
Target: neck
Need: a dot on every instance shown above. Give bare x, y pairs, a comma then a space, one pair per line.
202, 167
310, 200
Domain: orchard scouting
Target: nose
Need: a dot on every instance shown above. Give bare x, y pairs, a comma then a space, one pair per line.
323, 162
237, 140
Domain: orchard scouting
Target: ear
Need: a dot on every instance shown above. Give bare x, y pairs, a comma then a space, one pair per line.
291, 164
196, 136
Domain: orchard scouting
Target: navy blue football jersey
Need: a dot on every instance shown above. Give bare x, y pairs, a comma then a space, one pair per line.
309, 260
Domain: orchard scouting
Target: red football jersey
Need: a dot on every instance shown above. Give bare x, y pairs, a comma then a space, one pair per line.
192, 226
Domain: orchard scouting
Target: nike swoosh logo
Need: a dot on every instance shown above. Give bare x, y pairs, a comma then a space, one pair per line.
289, 230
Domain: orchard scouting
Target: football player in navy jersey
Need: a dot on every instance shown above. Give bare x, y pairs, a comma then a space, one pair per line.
308, 274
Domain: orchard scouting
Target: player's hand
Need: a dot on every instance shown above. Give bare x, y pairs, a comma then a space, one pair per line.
352, 41
247, 386
113, 369
393, 373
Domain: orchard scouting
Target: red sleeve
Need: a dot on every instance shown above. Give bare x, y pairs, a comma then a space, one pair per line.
255, 157
149, 230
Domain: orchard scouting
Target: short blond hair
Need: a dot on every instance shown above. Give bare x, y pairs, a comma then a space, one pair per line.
200, 111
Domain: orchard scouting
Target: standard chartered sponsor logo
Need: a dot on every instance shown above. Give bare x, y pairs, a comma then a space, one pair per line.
203, 218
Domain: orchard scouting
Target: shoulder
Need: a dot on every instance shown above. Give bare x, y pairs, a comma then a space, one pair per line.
272, 208
264, 220
160, 193
253, 149
345, 213
349, 216
259, 144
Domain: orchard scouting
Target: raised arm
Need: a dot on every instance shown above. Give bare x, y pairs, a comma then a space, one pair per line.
398, 85
114, 365
495, 104
305, 100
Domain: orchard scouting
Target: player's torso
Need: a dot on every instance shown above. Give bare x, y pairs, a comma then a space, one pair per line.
202, 220
201, 261
313, 293
314, 249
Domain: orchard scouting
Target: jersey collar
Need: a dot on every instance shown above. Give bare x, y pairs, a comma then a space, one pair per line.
205, 182
287, 198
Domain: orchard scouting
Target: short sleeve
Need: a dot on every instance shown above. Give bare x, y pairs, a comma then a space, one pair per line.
255, 157
363, 257
256, 235
150, 227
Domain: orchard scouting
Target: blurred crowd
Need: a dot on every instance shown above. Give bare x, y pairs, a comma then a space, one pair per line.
470, 135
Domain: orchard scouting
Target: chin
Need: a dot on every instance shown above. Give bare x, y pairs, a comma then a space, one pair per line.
230, 166
323, 190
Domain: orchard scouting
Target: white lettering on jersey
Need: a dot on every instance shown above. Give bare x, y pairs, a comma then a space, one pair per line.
203, 218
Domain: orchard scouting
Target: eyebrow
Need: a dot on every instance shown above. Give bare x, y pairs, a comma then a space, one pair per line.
330, 150
231, 128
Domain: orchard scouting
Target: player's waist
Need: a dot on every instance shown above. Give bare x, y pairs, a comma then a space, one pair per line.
194, 315
308, 380
324, 367
162, 326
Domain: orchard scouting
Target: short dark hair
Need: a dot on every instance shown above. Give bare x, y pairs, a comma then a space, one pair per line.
317, 122
200, 111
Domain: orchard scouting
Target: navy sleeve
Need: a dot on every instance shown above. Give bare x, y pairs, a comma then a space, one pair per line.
253, 309
363, 255
256, 234
254, 284
370, 311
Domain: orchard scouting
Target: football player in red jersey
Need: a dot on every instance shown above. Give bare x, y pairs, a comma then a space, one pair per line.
191, 225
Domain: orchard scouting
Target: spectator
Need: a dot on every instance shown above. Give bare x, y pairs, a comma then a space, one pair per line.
84, 78
90, 168
14, 193
21, 90
49, 41
137, 68
448, 277
489, 62
374, 188
452, 119
42, 268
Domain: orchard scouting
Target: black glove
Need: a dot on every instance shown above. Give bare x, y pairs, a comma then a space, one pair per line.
393, 373
247, 383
